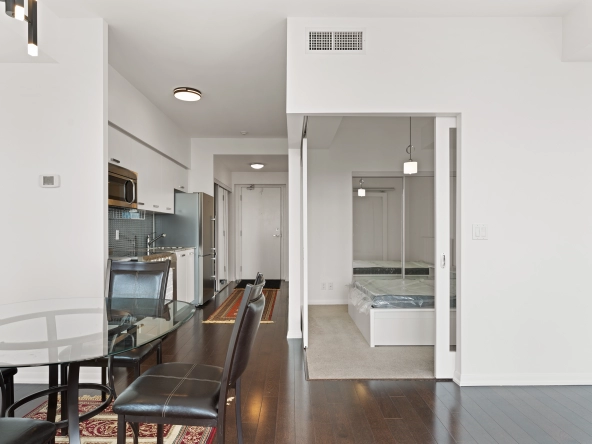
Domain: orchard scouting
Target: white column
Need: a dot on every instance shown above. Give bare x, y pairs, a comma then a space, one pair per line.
294, 269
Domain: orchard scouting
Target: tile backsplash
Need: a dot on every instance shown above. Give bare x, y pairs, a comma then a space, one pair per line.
134, 228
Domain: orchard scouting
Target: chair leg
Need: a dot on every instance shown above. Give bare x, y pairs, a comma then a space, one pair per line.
220, 425
10, 390
120, 429
239, 420
159, 433
103, 382
137, 371
159, 354
64, 395
52, 400
110, 370
136, 431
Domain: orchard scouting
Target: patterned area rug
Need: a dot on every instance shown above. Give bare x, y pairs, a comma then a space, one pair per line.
226, 313
102, 429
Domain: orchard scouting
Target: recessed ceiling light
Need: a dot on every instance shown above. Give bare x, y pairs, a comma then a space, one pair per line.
257, 166
244, 133
187, 94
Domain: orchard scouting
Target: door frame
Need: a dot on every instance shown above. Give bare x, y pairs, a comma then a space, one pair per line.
239, 224
383, 196
447, 364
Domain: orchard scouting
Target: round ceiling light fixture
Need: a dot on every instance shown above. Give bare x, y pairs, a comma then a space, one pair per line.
187, 94
257, 166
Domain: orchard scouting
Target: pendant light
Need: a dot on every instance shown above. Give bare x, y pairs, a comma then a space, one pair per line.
410, 167
32, 48
16, 10
361, 190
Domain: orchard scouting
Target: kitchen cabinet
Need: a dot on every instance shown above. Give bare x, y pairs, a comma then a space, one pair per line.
158, 176
185, 275
120, 149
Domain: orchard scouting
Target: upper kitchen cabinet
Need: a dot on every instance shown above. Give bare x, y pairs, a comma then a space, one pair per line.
131, 111
120, 149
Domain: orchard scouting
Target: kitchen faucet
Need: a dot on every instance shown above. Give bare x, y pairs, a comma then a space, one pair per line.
150, 242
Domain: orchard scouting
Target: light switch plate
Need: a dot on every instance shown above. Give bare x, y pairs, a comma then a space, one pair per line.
480, 232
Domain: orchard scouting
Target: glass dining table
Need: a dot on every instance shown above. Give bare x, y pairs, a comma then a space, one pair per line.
65, 332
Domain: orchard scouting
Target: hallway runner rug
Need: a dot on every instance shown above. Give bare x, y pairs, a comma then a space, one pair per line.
102, 429
226, 313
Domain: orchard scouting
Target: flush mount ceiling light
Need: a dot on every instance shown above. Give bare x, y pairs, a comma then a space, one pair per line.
410, 167
16, 9
187, 94
257, 166
361, 190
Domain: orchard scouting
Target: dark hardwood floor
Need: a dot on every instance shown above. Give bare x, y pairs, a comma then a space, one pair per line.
280, 406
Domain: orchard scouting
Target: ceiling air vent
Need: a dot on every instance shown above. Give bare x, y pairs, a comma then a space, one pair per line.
336, 41
320, 41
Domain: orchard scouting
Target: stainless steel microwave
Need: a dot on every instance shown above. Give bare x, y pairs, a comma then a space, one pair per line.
123, 187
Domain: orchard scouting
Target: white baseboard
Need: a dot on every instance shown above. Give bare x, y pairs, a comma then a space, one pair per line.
328, 301
523, 379
456, 378
295, 334
40, 375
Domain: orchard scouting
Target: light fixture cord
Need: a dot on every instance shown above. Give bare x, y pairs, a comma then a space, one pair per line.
410, 145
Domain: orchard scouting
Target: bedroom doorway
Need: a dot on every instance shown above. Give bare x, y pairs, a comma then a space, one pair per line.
401, 294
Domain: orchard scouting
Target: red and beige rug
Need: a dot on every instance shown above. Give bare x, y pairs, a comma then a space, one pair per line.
226, 313
102, 429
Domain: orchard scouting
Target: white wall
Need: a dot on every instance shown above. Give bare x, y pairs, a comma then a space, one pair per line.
53, 120
132, 112
524, 114
201, 176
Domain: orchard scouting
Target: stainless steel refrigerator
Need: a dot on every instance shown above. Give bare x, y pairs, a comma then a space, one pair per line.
192, 225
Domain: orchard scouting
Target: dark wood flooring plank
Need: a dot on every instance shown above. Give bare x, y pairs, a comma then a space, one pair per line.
535, 416
525, 423
505, 421
427, 390
482, 417
380, 430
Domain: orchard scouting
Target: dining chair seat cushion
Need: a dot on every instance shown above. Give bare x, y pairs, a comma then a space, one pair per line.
130, 357
25, 431
8, 372
176, 390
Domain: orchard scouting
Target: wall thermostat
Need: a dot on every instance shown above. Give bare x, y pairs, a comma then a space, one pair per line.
49, 181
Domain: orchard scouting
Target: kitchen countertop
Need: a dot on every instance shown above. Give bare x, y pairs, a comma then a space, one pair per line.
142, 253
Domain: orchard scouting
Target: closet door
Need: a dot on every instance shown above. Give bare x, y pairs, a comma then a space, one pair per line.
445, 145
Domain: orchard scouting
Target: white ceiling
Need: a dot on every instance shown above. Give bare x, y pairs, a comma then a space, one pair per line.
242, 163
234, 51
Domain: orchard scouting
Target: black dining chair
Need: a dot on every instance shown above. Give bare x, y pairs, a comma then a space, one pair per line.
194, 394
23, 430
132, 280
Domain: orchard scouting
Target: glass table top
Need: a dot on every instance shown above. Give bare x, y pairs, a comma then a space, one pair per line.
57, 331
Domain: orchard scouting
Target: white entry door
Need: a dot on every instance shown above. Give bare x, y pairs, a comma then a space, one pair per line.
261, 232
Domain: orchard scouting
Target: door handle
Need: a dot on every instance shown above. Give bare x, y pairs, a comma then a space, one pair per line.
277, 235
443, 261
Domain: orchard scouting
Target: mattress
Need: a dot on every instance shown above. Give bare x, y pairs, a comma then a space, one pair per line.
390, 268
412, 292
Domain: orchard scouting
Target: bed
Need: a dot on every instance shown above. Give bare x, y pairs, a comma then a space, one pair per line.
389, 310
412, 268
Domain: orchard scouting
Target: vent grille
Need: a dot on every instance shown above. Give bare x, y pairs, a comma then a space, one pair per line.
341, 41
349, 41
320, 41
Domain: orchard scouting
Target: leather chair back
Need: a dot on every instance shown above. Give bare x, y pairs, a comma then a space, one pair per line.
137, 279
246, 327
